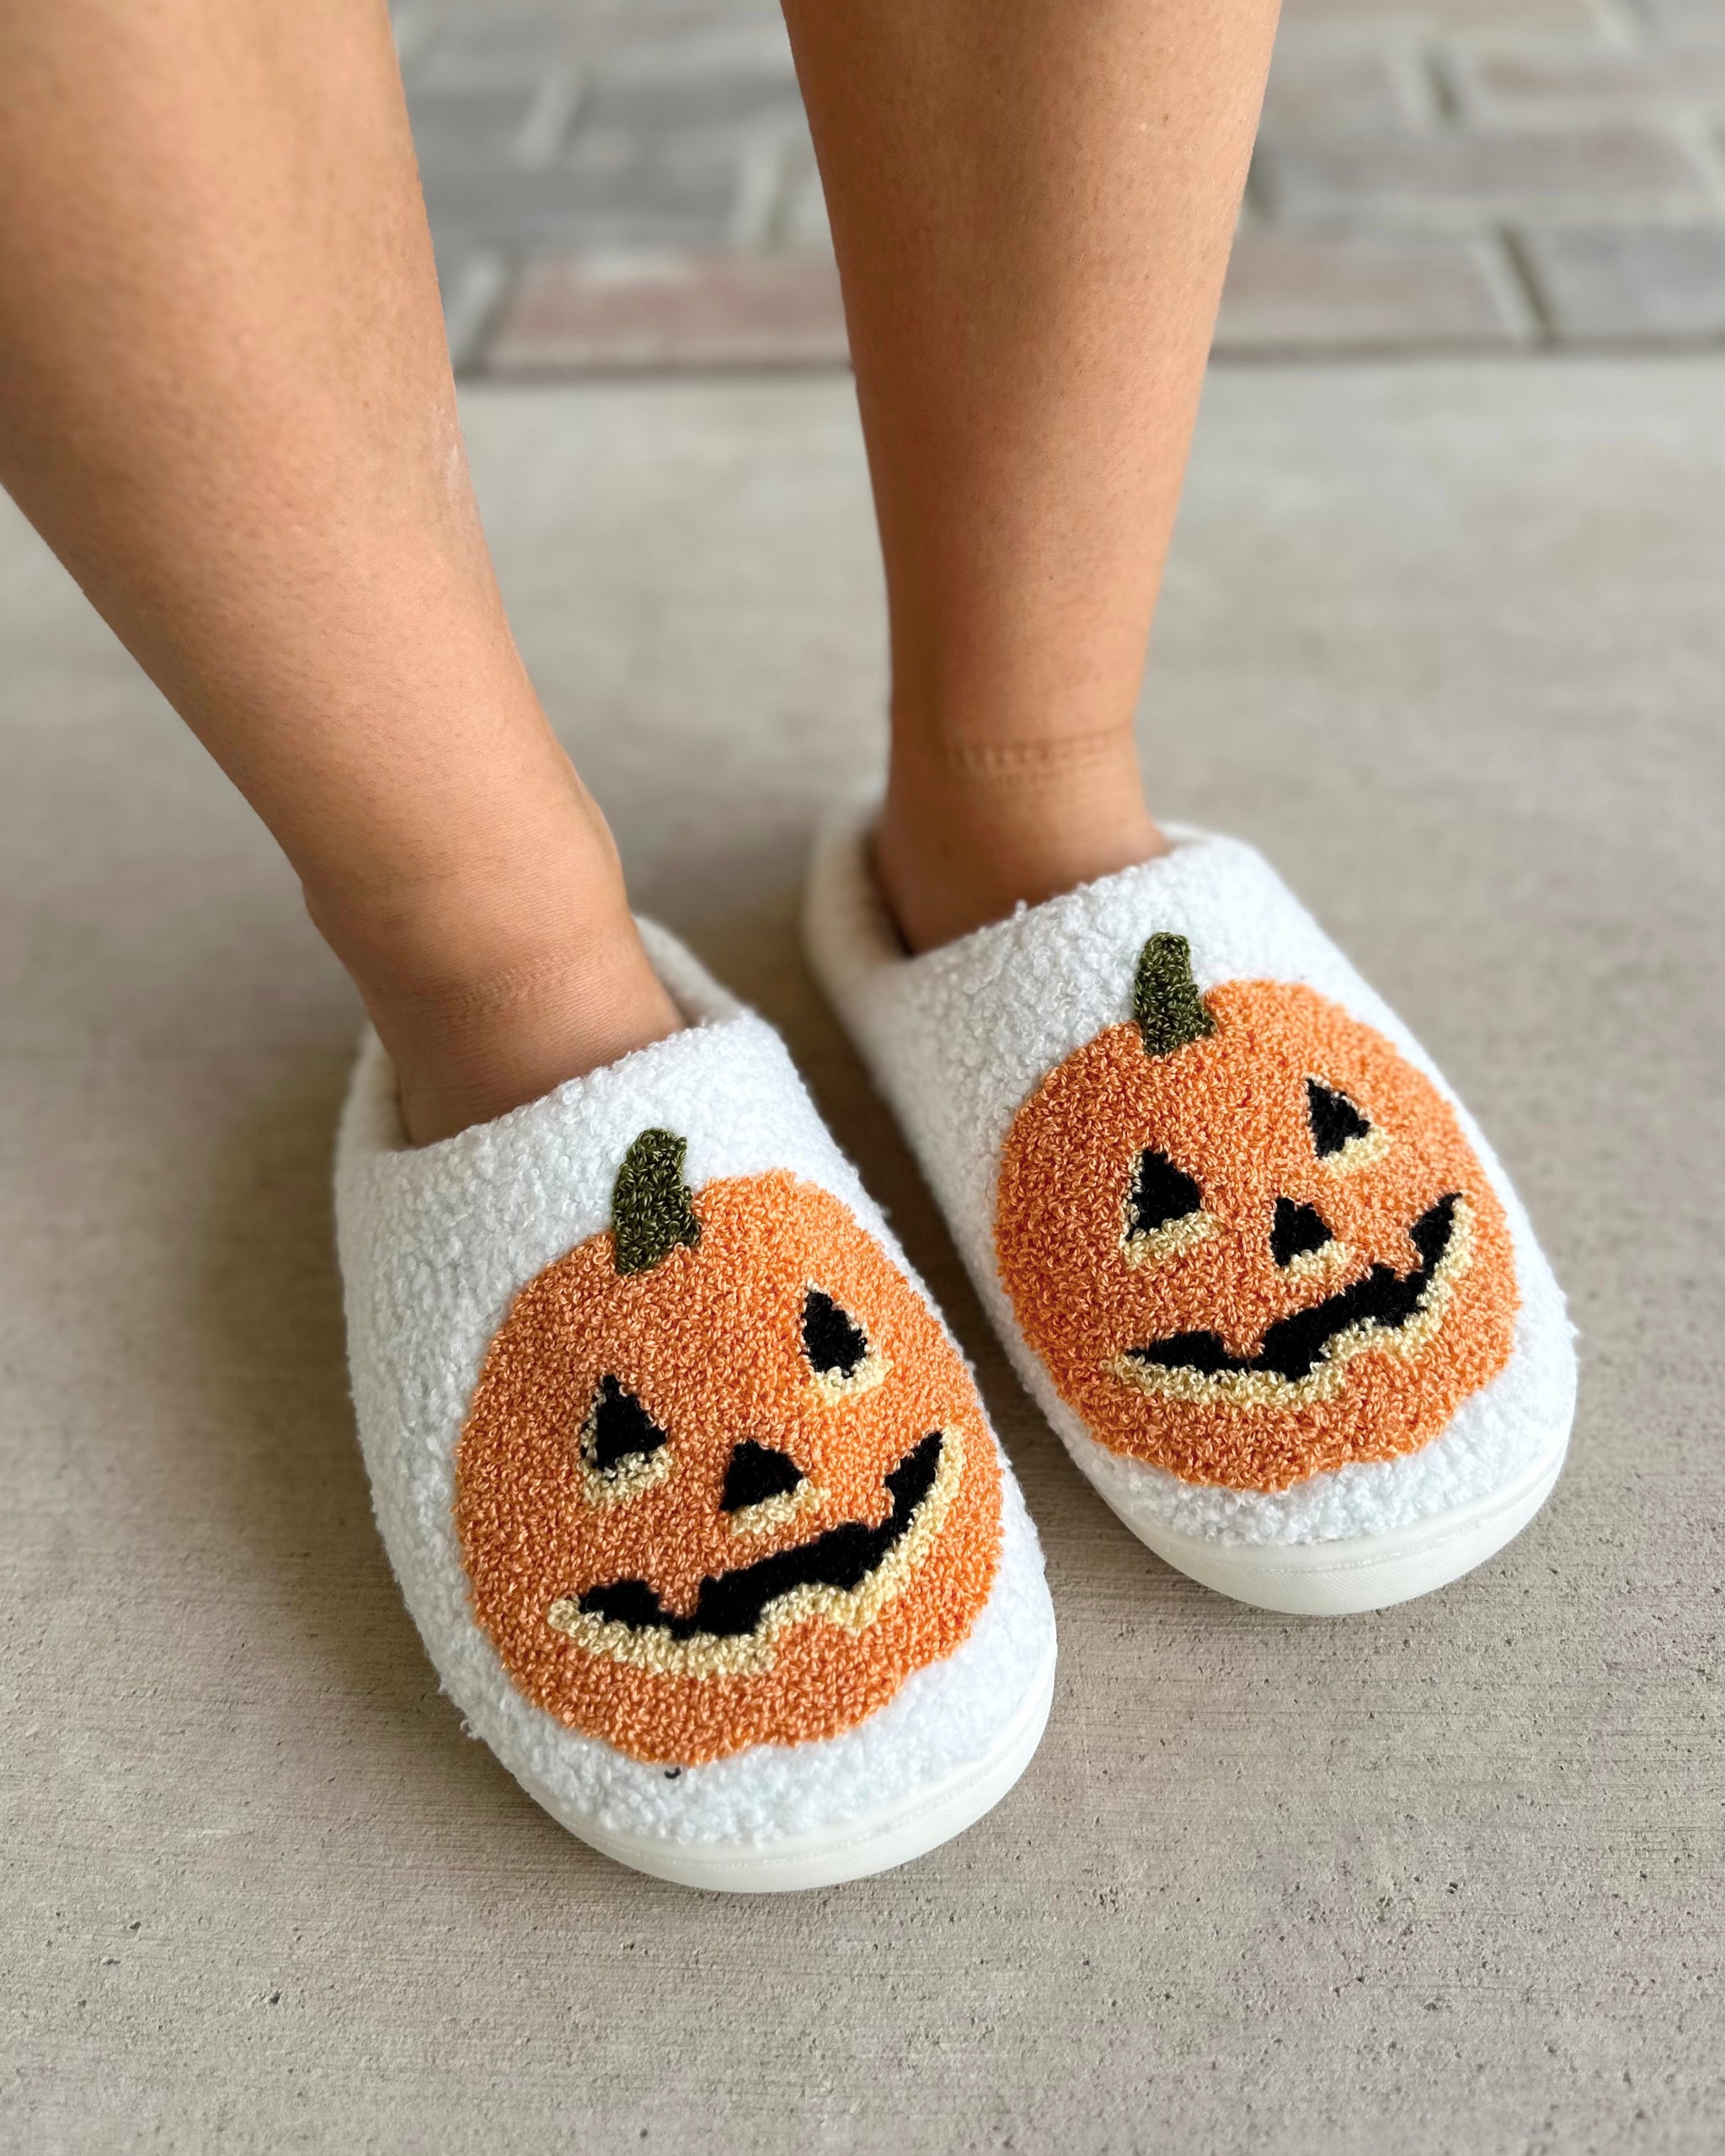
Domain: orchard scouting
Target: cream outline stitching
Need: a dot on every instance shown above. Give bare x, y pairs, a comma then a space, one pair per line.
1319, 1264
1263, 1389
1357, 1153
634, 1473
777, 1512
1152, 1247
832, 1391
852, 1609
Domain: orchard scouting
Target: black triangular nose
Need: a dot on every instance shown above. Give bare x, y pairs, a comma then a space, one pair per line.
755, 1473
1296, 1229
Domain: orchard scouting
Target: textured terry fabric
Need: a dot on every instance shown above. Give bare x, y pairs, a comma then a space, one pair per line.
782, 1639
1115, 1316
435, 1243
1128, 1315
959, 1038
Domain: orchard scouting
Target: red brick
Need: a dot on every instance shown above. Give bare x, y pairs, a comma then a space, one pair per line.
1498, 87
597, 314
1401, 20
1684, 22
1312, 89
1450, 177
1641, 284
1309, 292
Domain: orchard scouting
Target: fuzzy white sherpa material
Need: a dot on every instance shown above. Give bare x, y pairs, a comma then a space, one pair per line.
958, 1038
435, 1244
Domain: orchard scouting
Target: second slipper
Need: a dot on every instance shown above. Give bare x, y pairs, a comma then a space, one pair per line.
1245, 1246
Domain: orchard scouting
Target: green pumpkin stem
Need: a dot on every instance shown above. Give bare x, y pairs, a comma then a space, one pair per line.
651, 1210
1165, 999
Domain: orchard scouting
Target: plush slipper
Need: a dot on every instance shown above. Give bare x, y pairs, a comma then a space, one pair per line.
688, 1490
1245, 1248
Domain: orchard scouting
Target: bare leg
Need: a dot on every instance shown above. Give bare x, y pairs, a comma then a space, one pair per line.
225, 401
1032, 207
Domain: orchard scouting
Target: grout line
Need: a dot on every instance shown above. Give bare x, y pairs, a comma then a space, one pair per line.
471, 313
1446, 102
543, 133
1509, 254
1621, 29
760, 185
414, 27
1710, 349
1418, 91
1258, 196
1704, 141
1707, 351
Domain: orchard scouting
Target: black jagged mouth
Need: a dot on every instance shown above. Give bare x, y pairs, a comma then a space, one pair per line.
731, 1605
1382, 1301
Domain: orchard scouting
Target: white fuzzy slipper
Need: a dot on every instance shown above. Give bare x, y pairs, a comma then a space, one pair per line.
687, 1488
1246, 1249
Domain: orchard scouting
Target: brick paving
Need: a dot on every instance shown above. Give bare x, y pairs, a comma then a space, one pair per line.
619, 185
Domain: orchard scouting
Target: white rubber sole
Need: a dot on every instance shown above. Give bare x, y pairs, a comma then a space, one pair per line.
1362, 1572
853, 1849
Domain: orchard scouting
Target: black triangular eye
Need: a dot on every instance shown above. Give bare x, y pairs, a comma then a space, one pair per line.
1335, 1121
755, 1473
1296, 1229
834, 1342
1161, 1192
619, 1428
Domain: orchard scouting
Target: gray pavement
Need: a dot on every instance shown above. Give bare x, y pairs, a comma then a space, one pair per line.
617, 186
1445, 1882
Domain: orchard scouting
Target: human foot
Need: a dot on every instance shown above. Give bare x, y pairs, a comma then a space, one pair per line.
1245, 1249
970, 830
689, 1492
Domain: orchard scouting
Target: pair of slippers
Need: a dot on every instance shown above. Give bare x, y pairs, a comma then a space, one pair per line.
689, 1489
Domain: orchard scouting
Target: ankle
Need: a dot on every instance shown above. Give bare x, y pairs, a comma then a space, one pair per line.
470, 1055
485, 1001
971, 829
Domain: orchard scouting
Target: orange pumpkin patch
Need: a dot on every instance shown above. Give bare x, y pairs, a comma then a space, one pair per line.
1248, 1241
724, 1480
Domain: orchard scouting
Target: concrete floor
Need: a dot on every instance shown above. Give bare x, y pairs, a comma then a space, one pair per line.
1450, 642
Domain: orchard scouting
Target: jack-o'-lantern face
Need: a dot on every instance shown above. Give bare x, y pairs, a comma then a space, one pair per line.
724, 1480
1249, 1241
